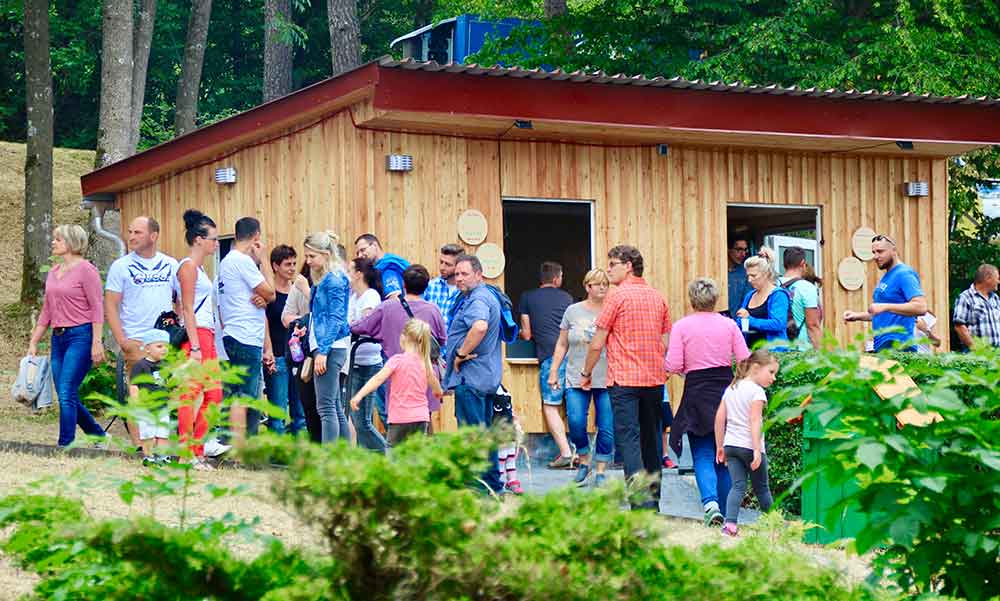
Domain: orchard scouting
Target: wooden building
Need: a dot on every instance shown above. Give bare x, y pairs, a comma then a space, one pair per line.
566, 165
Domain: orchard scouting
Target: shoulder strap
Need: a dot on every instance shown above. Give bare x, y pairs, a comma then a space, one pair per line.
790, 283
406, 306
201, 303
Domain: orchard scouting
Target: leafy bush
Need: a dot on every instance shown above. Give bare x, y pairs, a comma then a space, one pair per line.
931, 494
403, 526
99, 381
800, 371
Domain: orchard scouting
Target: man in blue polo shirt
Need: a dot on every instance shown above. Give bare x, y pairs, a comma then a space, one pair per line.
897, 301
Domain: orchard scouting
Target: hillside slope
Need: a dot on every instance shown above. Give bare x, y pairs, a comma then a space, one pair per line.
68, 166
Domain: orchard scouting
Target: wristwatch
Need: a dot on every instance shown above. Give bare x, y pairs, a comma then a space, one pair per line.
584, 374
460, 355
195, 349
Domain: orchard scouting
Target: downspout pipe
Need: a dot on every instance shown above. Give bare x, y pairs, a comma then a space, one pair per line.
98, 205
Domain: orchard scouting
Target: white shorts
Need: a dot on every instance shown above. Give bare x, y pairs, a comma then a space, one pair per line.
148, 430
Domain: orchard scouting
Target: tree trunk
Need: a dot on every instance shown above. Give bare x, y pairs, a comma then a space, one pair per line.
277, 51
345, 35
194, 58
555, 8
140, 51
38, 159
115, 117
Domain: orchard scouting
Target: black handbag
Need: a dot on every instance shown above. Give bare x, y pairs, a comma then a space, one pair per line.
171, 324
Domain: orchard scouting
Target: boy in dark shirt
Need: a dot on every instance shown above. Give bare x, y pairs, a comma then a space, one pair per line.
152, 435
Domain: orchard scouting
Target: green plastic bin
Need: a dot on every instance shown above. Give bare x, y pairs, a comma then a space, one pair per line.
819, 494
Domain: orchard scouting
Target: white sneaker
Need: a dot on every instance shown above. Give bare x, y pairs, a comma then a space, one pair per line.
214, 448
201, 466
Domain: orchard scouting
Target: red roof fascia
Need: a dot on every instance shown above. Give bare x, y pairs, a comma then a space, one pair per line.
223, 133
568, 102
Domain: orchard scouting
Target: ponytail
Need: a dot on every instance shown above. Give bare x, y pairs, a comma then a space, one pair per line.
418, 336
763, 261
758, 357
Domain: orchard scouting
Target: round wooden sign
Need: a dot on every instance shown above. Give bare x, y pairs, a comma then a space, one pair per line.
851, 273
861, 243
472, 227
493, 260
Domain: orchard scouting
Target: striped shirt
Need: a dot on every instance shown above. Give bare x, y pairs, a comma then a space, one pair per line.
980, 314
636, 318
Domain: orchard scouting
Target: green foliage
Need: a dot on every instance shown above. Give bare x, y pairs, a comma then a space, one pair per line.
930, 494
404, 526
99, 382
799, 373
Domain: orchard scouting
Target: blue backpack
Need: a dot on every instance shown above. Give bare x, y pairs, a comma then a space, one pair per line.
508, 324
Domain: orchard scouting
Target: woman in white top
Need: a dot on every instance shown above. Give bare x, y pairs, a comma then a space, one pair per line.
194, 288
365, 296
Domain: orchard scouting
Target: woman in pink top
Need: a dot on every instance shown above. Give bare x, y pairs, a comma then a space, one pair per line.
703, 347
73, 307
412, 375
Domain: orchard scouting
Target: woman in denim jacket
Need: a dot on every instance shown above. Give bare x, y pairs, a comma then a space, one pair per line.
328, 307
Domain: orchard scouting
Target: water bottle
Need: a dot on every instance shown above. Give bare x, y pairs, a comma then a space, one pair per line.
295, 349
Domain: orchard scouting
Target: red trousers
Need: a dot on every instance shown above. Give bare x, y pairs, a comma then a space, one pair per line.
186, 417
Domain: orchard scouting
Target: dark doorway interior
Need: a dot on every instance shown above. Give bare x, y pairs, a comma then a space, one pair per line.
536, 231
779, 228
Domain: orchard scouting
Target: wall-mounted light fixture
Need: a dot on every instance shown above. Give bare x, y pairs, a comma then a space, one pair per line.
904, 144
916, 189
225, 175
523, 124
399, 162
662, 149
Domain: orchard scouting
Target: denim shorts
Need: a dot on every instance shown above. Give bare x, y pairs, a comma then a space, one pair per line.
549, 396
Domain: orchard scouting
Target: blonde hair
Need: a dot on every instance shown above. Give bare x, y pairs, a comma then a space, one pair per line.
759, 357
596, 276
74, 236
763, 261
325, 242
416, 337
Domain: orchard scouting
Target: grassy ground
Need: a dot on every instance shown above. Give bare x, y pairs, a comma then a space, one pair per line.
95, 481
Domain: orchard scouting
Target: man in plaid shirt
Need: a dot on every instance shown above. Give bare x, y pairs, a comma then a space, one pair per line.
442, 290
977, 310
634, 325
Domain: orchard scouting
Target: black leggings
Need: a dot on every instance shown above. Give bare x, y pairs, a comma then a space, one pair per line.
307, 396
738, 460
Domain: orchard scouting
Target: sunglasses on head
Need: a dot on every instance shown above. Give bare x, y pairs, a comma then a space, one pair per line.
884, 237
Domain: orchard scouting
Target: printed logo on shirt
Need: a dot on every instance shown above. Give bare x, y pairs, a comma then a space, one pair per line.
159, 274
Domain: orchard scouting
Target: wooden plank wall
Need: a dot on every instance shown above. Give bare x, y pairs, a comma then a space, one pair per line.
332, 176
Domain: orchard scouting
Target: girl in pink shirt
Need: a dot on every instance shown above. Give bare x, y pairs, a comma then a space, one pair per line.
412, 375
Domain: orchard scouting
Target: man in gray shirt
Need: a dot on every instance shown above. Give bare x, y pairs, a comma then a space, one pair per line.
474, 354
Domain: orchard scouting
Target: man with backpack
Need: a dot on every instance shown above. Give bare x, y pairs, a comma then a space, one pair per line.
804, 311
389, 265
474, 353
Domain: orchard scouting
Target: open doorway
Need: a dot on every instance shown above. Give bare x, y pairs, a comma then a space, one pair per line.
779, 227
536, 230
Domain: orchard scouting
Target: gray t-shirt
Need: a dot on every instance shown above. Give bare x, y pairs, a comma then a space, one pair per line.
579, 323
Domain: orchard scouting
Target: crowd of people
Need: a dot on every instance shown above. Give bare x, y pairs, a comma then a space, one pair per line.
343, 340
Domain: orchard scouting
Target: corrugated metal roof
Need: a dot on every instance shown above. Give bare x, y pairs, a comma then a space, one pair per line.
600, 77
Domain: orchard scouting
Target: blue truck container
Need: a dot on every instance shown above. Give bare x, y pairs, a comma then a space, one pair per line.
452, 40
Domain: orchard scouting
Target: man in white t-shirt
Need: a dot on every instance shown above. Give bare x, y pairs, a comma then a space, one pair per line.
139, 287
243, 296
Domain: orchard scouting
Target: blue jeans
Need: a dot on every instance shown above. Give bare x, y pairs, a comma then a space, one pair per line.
276, 387
551, 396
475, 408
70, 364
383, 411
577, 407
329, 405
249, 357
368, 436
712, 478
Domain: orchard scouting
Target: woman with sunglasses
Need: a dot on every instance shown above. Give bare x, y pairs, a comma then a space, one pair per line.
194, 288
